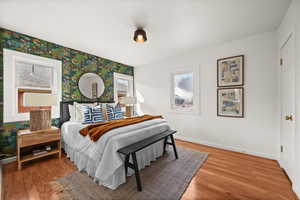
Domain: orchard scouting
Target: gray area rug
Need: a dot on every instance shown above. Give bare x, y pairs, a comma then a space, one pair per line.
166, 178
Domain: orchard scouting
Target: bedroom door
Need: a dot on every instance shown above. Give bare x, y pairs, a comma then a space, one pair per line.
287, 105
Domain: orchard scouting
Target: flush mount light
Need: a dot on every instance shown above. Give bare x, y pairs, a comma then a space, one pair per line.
140, 35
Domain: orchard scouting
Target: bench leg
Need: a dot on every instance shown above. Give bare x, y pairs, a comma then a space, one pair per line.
165, 144
136, 171
174, 146
126, 164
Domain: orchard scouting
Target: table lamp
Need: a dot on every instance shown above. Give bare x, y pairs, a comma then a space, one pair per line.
128, 102
40, 119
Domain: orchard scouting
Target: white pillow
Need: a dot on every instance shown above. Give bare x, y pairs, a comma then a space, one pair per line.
72, 113
78, 112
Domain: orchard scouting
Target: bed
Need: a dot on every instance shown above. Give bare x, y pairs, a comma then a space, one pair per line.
100, 159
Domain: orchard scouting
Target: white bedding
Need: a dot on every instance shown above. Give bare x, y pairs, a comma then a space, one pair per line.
100, 159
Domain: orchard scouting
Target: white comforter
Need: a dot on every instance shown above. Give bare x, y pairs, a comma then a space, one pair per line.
100, 159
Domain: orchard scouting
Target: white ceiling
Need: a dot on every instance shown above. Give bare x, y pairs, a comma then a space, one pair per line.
105, 28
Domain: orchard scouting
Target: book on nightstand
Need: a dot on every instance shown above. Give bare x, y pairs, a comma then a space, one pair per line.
40, 151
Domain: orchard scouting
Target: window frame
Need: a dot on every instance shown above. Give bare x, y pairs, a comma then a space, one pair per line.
10, 58
125, 77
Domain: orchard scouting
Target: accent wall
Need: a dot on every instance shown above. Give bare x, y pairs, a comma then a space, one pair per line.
74, 63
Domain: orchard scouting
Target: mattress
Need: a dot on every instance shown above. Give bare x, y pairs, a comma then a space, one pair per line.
100, 159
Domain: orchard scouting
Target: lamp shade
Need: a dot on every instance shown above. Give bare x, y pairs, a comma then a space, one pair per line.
128, 100
35, 99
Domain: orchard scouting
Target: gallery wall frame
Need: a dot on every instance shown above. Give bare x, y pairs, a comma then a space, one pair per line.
234, 75
228, 107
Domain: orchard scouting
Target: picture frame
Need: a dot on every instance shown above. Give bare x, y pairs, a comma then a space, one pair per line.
185, 95
230, 71
230, 102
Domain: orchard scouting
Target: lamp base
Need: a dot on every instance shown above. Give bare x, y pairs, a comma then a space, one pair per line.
129, 111
40, 120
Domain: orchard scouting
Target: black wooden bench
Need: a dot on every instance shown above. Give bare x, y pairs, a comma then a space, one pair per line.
133, 148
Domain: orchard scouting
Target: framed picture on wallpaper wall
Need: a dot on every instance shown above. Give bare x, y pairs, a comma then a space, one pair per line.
230, 71
230, 102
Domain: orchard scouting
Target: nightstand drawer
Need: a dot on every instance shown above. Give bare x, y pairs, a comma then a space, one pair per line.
32, 139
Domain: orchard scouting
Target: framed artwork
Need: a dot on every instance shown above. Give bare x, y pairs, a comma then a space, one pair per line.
185, 90
230, 71
230, 102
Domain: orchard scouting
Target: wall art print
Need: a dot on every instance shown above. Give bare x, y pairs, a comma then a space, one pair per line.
74, 62
230, 71
230, 102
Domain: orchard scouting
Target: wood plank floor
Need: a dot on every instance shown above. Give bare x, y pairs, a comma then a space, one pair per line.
225, 175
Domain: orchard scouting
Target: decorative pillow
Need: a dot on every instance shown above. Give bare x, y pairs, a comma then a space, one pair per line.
92, 114
104, 105
72, 113
114, 112
79, 111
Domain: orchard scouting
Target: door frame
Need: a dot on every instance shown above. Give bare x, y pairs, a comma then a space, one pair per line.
290, 37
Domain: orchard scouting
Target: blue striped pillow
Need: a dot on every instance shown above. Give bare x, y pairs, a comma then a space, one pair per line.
114, 112
92, 114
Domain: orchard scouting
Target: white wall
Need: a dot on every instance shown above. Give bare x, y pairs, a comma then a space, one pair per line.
257, 133
291, 23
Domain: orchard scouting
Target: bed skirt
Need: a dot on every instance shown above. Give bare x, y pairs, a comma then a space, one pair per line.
86, 164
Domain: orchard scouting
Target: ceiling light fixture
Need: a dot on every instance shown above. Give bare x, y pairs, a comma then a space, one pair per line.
140, 35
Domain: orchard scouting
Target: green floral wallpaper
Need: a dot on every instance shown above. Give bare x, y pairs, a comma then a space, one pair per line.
74, 63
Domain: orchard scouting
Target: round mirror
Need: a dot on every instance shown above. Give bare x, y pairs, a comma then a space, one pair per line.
91, 85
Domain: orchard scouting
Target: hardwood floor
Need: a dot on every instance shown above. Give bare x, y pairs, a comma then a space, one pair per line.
228, 175
225, 175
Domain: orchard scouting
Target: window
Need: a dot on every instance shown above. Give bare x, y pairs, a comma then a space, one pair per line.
185, 91
32, 78
123, 86
33, 75
26, 73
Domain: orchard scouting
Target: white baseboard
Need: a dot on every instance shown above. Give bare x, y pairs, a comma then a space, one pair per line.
236, 149
296, 189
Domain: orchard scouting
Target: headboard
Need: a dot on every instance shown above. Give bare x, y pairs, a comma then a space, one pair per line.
64, 109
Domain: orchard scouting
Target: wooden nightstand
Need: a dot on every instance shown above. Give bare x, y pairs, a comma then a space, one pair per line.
28, 139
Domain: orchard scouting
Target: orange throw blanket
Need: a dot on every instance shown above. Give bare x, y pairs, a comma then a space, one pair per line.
95, 131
